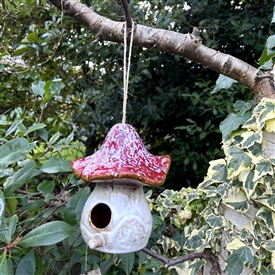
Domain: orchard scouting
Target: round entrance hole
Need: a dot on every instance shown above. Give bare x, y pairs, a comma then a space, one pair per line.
101, 215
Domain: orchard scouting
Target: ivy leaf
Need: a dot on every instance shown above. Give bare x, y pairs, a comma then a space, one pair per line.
262, 168
237, 260
268, 217
217, 170
242, 107
196, 266
269, 245
267, 112
246, 177
47, 234
238, 161
251, 123
195, 241
223, 82
270, 125
235, 244
215, 221
232, 123
249, 139
237, 201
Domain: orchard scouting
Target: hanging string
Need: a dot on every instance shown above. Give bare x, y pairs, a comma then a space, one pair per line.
126, 68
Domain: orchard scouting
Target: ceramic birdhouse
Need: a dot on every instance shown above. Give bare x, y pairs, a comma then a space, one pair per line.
116, 217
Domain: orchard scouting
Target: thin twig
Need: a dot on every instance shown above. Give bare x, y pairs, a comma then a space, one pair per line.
127, 13
38, 195
189, 257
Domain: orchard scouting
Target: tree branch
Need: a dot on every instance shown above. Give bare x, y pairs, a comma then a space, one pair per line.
189, 257
186, 45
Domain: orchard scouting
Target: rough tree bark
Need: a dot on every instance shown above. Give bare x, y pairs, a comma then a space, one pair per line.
187, 45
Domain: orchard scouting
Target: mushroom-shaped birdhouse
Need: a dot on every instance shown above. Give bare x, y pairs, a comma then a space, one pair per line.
116, 217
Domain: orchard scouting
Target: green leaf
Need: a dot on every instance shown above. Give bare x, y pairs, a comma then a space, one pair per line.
106, 265
14, 150
246, 177
12, 226
47, 234
54, 138
262, 168
147, 73
75, 205
152, 263
223, 82
267, 111
195, 241
242, 107
56, 165
238, 161
270, 45
13, 127
21, 50
251, 123
38, 88
237, 201
19, 179
56, 86
27, 265
43, 134
215, 221
196, 266
273, 17
268, 217
69, 138
249, 139
35, 205
2, 206
217, 170
47, 97
267, 199
35, 127
265, 61
127, 262
4, 229
6, 267
269, 245
232, 123
46, 187
237, 260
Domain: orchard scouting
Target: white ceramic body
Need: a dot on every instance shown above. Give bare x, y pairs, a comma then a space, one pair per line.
116, 217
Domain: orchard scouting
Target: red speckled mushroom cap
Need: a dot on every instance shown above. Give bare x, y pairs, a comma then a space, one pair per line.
123, 155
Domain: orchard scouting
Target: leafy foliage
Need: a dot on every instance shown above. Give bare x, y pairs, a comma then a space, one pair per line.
57, 88
168, 96
41, 203
232, 211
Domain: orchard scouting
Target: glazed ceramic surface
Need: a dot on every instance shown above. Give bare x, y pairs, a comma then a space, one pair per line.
116, 217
